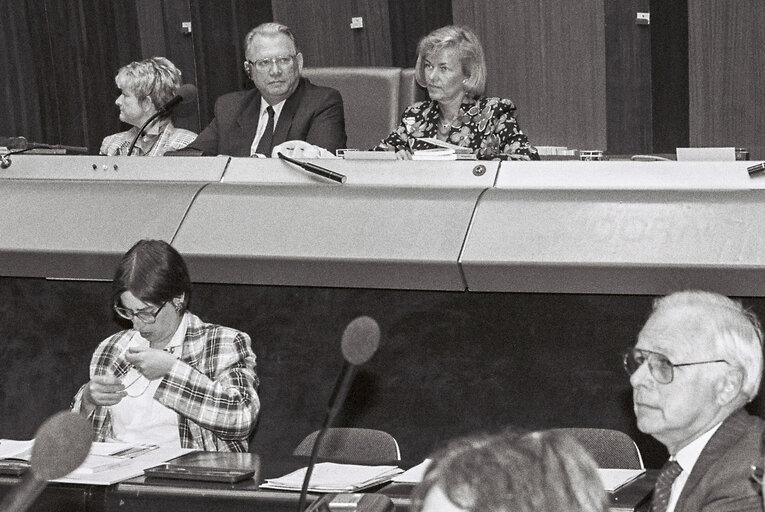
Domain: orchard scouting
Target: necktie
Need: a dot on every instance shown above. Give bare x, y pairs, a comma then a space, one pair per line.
663, 488
266, 141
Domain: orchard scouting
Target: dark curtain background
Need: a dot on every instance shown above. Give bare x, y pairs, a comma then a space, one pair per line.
409, 21
59, 64
219, 46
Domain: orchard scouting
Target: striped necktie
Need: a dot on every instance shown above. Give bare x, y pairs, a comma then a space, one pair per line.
663, 487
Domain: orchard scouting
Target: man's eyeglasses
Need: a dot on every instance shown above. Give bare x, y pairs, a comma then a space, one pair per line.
662, 369
265, 64
146, 317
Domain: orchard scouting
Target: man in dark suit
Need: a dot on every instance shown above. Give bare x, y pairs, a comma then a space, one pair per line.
697, 362
283, 106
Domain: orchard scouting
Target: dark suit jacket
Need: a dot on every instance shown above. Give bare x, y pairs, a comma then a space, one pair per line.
720, 480
313, 114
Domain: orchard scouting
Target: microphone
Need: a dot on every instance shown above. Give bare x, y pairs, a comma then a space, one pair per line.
360, 340
367, 502
186, 93
321, 171
20, 144
61, 444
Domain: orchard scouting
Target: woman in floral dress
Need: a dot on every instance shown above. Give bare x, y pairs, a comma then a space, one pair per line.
451, 65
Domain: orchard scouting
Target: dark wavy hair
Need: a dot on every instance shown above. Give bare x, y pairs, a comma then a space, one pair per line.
514, 472
154, 272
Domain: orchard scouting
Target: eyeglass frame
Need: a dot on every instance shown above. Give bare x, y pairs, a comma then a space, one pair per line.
119, 309
629, 353
267, 62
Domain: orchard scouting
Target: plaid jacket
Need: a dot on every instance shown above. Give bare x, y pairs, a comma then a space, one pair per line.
212, 386
170, 139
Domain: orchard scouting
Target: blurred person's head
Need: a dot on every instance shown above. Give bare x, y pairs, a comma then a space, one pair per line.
511, 472
273, 61
704, 361
151, 288
145, 86
450, 63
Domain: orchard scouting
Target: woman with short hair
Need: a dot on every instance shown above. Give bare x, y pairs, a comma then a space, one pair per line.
145, 87
451, 66
172, 379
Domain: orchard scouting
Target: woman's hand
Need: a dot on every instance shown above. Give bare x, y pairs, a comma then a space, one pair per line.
403, 154
151, 362
104, 390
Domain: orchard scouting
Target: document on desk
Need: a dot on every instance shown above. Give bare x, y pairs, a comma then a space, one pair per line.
332, 477
614, 479
110, 463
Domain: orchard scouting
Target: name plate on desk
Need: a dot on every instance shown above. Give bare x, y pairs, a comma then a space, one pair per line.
114, 168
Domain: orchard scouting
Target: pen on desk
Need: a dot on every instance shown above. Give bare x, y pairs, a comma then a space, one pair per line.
321, 171
756, 169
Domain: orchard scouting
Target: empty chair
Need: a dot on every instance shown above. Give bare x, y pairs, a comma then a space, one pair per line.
353, 445
609, 448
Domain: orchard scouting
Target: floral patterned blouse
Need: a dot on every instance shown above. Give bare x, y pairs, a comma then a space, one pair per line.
485, 125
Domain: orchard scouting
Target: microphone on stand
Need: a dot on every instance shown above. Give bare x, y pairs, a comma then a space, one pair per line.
186, 93
19, 144
61, 444
358, 344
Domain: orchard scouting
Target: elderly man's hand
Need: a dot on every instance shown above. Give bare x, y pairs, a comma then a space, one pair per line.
300, 149
151, 362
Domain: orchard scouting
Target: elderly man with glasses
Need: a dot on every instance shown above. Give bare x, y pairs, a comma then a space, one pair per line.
281, 109
697, 362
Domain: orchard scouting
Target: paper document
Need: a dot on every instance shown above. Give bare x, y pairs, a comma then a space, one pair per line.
332, 477
614, 479
413, 475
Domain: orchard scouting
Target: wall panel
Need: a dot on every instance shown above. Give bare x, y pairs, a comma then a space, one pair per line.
324, 34
726, 73
548, 56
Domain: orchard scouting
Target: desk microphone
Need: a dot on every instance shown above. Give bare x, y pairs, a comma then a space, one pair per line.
61, 444
359, 343
186, 93
321, 171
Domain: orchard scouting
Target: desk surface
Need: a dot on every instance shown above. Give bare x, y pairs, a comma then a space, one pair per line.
164, 495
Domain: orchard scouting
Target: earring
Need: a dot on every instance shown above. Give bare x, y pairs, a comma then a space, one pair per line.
177, 305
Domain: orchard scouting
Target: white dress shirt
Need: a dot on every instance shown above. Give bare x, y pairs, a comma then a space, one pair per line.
263, 121
687, 457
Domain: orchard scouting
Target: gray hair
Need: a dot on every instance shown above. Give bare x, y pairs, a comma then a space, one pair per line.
156, 78
733, 332
510, 472
470, 52
270, 29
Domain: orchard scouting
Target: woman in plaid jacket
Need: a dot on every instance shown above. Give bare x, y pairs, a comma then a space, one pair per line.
172, 379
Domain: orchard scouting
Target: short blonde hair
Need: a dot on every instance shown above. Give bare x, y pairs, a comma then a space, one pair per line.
156, 78
466, 42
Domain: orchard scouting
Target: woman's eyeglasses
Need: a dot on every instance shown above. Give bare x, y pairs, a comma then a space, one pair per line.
147, 317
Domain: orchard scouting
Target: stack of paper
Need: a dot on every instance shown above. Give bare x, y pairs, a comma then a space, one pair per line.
332, 477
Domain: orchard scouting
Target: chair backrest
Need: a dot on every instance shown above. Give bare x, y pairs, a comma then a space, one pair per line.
371, 98
609, 448
353, 445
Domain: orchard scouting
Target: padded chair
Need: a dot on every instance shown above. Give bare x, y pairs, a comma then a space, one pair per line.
609, 448
372, 99
353, 445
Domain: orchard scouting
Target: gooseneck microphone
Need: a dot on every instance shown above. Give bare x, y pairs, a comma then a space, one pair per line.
358, 344
61, 444
186, 93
